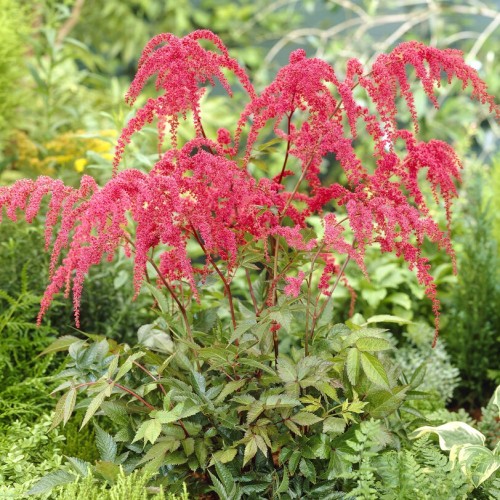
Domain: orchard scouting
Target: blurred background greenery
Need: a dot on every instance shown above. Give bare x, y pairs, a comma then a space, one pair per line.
64, 69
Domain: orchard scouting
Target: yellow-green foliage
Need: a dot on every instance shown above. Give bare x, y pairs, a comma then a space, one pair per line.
495, 197
131, 487
27, 452
13, 26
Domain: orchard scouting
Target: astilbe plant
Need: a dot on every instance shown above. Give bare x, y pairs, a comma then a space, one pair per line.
256, 236
203, 190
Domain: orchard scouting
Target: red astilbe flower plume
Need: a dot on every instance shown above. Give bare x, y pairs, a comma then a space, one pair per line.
203, 192
181, 67
191, 192
389, 71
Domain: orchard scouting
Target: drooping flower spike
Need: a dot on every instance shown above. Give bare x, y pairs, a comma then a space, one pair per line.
203, 191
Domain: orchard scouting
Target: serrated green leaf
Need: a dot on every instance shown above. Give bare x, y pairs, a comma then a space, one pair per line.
116, 412
105, 445
287, 371
50, 481
225, 475
352, 365
305, 418
334, 425
281, 401
374, 369
250, 451
327, 389
293, 427
175, 458
224, 456
188, 446
64, 408
81, 467
294, 461
229, 388
373, 344
127, 365
93, 407
161, 300
285, 482
201, 452
157, 450
418, 376
108, 470
218, 487
383, 403
256, 364
242, 327
254, 412
388, 318
307, 468
149, 431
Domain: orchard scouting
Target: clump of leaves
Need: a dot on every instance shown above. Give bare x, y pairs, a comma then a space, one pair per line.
212, 411
442, 378
28, 451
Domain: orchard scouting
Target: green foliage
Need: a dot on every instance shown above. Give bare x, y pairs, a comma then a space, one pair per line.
474, 317
130, 487
106, 302
27, 452
24, 378
441, 377
14, 25
250, 425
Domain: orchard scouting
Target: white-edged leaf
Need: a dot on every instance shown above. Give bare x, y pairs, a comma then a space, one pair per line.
452, 433
477, 462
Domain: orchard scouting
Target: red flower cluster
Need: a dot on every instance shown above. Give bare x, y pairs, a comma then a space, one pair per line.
203, 190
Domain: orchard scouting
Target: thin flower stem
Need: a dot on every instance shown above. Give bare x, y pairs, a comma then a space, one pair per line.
219, 272
252, 294
288, 144
325, 303
182, 309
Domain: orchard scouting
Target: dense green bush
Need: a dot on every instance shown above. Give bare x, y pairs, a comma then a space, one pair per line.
473, 325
